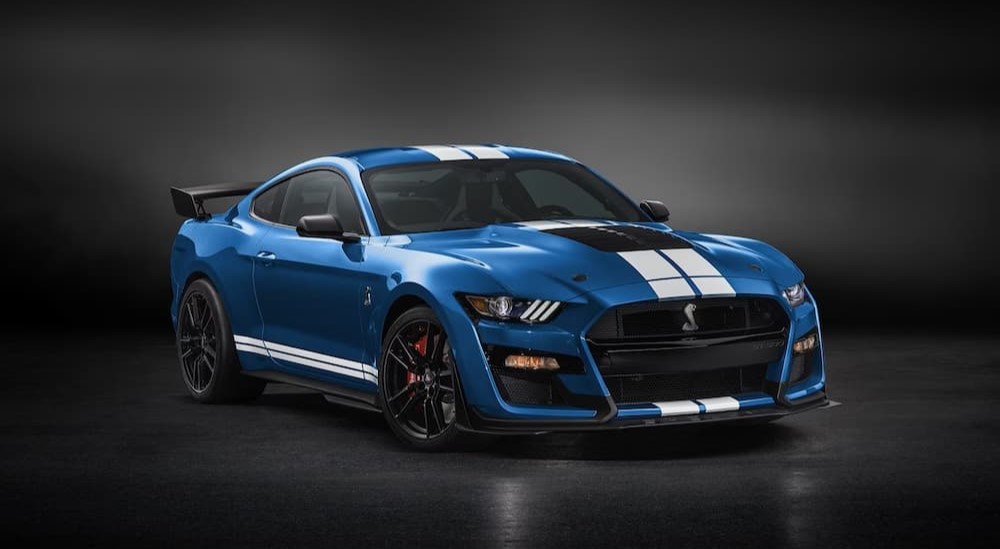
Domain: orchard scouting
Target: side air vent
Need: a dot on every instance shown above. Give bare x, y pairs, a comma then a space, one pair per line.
621, 238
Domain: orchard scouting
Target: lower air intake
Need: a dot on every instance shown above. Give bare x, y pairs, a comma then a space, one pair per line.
628, 389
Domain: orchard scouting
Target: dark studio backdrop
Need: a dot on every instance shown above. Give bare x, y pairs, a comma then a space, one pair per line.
860, 140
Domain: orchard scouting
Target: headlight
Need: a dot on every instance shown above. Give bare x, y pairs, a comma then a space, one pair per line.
510, 308
795, 294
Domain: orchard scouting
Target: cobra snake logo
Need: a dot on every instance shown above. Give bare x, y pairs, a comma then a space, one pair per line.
690, 325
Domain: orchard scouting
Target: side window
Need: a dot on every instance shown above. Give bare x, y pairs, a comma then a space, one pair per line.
312, 193
267, 205
548, 188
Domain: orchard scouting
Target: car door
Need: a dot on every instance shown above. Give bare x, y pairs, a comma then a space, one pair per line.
309, 290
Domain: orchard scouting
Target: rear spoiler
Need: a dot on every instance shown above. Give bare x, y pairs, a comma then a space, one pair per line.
190, 202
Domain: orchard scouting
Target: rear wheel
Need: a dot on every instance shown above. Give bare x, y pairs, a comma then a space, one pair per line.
209, 365
418, 386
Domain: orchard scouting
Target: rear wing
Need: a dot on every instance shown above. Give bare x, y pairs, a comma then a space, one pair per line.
190, 202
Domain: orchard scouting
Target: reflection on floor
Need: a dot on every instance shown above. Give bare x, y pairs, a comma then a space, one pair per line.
100, 444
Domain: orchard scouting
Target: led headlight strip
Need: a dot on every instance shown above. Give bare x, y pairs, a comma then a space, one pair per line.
540, 311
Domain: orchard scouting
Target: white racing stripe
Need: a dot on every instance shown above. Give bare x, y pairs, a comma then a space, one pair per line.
677, 408
337, 361
691, 262
251, 349
248, 340
671, 288
444, 152
324, 366
312, 359
713, 286
650, 264
720, 404
482, 152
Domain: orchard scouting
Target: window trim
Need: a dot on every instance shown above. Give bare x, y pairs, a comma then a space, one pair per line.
364, 226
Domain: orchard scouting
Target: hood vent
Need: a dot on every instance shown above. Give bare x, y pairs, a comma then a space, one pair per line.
621, 238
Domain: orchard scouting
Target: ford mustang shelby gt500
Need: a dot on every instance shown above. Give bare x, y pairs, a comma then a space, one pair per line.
484, 289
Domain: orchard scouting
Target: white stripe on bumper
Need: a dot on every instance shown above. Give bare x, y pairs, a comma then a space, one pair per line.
690, 407
720, 404
677, 408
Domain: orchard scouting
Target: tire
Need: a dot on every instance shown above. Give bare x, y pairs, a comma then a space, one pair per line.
209, 366
419, 389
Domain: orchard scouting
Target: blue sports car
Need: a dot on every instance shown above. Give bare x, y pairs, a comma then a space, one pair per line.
484, 289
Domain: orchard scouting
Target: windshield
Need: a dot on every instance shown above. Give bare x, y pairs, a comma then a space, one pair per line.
465, 194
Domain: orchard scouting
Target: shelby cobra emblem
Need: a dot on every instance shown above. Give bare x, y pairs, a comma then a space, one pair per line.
690, 325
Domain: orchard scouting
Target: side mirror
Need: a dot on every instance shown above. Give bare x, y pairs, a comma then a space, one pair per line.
655, 210
324, 226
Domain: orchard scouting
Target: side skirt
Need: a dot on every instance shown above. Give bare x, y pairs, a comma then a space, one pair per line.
332, 393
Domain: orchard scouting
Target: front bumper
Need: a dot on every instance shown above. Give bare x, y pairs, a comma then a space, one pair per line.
629, 417
587, 403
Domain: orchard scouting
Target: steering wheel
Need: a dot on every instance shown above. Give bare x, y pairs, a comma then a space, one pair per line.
555, 210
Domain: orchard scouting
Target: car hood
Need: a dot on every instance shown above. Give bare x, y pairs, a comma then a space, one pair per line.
544, 260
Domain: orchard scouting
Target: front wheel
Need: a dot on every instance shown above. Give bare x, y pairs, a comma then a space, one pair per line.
418, 386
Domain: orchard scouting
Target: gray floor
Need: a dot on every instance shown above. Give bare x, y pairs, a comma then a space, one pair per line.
99, 444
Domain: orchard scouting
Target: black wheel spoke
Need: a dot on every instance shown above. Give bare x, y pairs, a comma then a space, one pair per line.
437, 351
406, 349
437, 414
427, 421
198, 342
402, 362
409, 387
208, 363
406, 407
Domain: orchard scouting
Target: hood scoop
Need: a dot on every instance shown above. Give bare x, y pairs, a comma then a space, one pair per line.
621, 238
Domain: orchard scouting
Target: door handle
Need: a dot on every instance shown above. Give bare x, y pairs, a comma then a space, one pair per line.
267, 258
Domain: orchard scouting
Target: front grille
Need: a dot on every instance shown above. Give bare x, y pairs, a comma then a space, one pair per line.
714, 317
627, 389
645, 354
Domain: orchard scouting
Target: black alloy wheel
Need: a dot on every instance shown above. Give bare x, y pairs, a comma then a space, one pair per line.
198, 342
418, 383
210, 367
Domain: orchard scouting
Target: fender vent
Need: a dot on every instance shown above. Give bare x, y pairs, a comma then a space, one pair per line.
621, 238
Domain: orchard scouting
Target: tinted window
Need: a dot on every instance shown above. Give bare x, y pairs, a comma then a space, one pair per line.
462, 194
548, 188
312, 193
267, 205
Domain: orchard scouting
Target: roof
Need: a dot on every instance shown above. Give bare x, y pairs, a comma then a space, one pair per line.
390, 156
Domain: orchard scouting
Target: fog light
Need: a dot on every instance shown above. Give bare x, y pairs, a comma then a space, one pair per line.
527, 362
804, 345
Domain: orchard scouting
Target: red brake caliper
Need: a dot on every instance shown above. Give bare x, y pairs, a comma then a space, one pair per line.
421, 347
